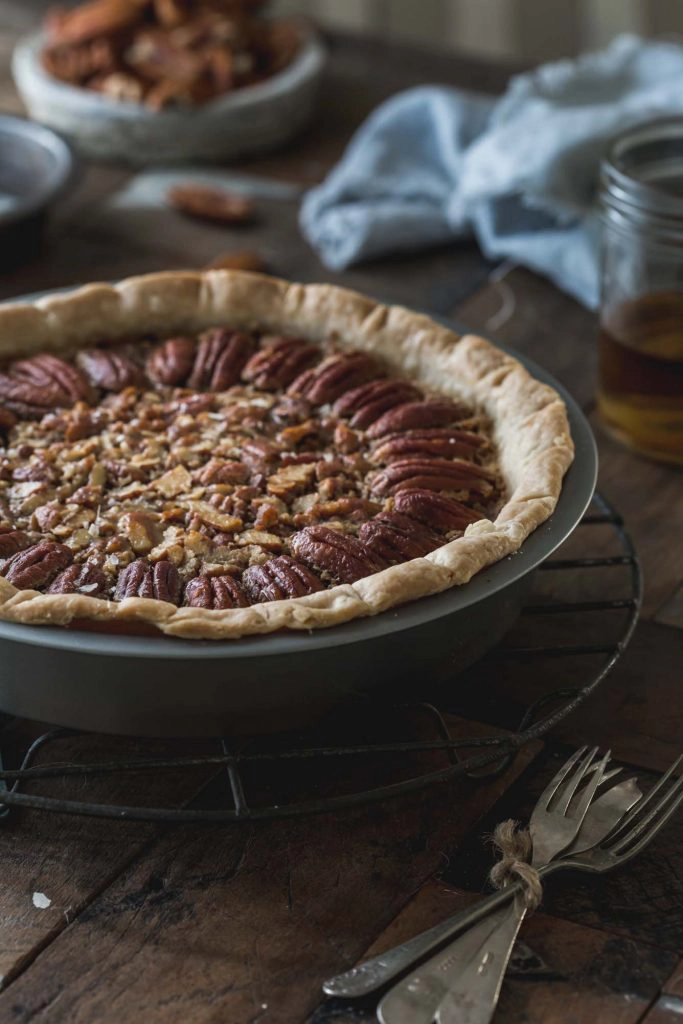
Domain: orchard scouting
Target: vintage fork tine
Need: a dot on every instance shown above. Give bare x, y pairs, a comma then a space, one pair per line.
652, 822
644, 801
570, 787
589, 791
557, 779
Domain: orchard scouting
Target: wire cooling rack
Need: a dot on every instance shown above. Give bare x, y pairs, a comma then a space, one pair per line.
401, 749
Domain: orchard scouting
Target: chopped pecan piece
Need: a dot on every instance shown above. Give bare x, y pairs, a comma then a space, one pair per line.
171, 362
47, 371
415, 416
367, 403
220, 358
443, 442
80, 579
12, 541
279, 578
108, 369
219, 471
141, 530
289, 411
398, 538
339, 554
215, 592
212, 204
37, 565
140, 579
433, 475
278, 362
333, 377
435, 510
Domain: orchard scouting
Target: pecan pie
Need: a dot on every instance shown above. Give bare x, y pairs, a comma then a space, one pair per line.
225, 453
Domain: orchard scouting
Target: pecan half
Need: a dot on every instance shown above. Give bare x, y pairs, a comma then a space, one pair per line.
12, 541
443, 442
37, 565
27, 401
339, 554
47, 371
212, 204
415, 416
140, 579
397, 538
215, 592
279, 578
220, 358
7, 419
80, 579
108, 369
367, 403
435, 510
433, 475
333, 377
278, 362
100, 17
171, 362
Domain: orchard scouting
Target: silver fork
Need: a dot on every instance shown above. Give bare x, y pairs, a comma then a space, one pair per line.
474, 996
554, 825
377, 971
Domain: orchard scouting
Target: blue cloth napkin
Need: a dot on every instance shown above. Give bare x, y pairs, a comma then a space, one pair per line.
520, 173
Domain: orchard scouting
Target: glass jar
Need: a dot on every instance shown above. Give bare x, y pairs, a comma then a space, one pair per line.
640, 385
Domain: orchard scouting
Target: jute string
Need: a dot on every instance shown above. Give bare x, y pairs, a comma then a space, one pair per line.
514, 847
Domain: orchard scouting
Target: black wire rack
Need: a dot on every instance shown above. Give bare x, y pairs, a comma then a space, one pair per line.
425, 751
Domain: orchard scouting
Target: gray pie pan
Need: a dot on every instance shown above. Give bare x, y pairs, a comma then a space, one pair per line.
161, 686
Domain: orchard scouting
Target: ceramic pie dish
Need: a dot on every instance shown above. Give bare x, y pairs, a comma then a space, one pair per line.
368, 618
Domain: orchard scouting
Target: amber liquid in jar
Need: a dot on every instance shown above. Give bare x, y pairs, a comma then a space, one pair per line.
640, 395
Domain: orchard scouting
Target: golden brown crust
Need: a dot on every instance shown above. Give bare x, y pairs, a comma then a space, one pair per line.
529, 421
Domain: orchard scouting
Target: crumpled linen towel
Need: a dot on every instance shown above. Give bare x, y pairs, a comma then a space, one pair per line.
520, 173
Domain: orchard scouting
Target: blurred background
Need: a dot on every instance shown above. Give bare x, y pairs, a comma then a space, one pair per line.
522, 30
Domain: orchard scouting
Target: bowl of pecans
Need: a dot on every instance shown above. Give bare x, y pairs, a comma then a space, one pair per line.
151, 81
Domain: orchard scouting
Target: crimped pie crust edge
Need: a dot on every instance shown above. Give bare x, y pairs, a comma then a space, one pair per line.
530, 428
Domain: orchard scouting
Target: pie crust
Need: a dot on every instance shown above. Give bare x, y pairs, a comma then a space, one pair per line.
529, 427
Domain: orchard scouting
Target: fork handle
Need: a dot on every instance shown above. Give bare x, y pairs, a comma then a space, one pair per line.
377, 971
473, 997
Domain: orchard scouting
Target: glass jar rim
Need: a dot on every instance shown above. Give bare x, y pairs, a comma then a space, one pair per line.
631, 171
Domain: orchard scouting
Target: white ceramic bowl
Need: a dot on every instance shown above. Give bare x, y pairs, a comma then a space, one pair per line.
249, 120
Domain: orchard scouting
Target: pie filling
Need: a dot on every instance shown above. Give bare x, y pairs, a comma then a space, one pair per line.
228, 469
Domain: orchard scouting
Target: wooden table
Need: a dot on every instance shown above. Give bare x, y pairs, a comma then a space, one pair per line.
241, 924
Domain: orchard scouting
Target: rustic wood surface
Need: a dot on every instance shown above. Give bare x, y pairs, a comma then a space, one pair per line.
106, 921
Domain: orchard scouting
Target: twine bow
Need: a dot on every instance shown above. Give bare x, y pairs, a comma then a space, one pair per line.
513, 843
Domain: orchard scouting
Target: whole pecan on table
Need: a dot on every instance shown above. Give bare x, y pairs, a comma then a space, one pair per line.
85, 579
279, 578
38, 565
212, 204
442, 442
108, 369
398, 538
278, 362
219, 592
242, 259
341, 555
433, 475
415, 416
365, 404
159, 580
335, 375
435, 510
171, 362
219, 359
12, 541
